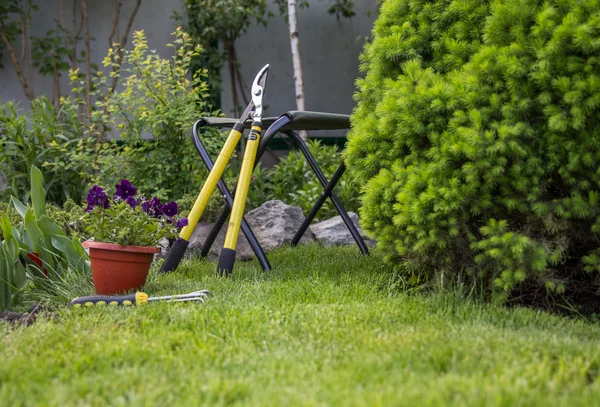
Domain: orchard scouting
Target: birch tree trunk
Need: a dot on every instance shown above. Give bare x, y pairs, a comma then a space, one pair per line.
295, 45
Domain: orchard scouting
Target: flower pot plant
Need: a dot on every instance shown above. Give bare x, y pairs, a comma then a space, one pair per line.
126, 230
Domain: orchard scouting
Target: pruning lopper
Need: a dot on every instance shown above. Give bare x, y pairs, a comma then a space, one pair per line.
138, 298
227, 256
253, 111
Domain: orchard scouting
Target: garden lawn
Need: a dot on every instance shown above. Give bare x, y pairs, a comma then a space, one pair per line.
326, 327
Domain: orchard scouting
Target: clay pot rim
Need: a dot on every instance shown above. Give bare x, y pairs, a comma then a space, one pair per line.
120, 248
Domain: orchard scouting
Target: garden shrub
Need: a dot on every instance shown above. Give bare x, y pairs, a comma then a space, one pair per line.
153, 115
70, 218
477, 138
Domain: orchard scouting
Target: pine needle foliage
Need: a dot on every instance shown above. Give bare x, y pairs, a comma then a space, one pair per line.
477, 137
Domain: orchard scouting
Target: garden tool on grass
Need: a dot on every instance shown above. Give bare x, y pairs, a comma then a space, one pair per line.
180, 245
138, 298
227, 256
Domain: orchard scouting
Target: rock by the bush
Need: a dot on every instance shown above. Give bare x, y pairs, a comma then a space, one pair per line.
333, 232
164, 245
275, 224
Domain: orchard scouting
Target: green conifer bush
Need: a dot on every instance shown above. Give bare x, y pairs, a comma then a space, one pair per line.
477, 139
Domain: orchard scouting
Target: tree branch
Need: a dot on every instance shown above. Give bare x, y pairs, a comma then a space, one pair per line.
74, 36
15, 62
115, 79
88, 62
115, 23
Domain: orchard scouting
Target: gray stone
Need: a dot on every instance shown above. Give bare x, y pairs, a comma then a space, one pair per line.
275, 224
164, 245
333, 232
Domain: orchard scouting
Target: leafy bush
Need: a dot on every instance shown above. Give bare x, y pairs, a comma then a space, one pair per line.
70, 218
153, 114
50, 138
477, 137
293, 181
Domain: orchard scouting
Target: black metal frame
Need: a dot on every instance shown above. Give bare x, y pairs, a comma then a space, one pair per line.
275, 128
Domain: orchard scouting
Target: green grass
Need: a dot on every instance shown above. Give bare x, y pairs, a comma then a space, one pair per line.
326, 327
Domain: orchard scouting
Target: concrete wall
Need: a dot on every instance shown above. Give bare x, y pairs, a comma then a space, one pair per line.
329, 50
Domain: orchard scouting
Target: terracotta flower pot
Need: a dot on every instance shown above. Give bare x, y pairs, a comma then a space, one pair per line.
117, 269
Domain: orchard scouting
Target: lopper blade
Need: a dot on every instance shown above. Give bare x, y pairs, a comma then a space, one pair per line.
258, 90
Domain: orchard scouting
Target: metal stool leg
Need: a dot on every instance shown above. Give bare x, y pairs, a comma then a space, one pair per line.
336, 202
319, 203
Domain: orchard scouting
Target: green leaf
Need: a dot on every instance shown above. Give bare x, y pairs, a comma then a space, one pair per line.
71, 248
19, 275
6, 226
11, 250
49, 228
38, 193
21, 209
5, 291
33, 231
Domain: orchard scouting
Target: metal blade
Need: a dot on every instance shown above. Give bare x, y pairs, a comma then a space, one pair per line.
258, 91
201, 299
259, 80
246, 115
201, 293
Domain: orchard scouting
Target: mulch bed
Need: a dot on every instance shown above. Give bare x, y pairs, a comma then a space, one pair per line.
22, 319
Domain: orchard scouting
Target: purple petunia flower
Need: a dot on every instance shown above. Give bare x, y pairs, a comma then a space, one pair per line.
181, 223
131, 201
96, 197
170, 209
125, 190
153, 207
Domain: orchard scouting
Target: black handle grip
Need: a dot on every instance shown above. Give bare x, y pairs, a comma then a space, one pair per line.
175, 255
226, 262
113, 300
